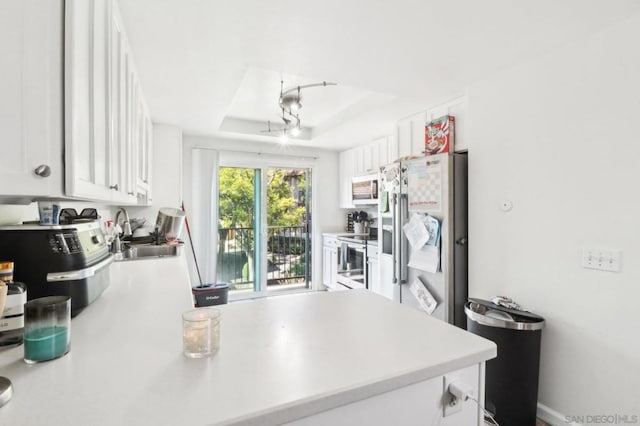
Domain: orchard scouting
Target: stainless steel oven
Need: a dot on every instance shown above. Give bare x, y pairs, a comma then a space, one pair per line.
352, 263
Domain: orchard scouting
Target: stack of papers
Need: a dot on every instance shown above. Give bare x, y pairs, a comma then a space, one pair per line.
423, 233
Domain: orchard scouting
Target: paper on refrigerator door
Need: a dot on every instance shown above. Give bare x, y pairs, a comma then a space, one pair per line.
425, 186
433, 226
416, 231
422, 295
422, 229
425, 259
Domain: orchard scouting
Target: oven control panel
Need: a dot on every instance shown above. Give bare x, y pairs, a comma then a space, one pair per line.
65, 242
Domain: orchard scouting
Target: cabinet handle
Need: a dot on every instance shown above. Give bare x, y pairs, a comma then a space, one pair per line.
131, 193
114, 187
145, 181
43, 170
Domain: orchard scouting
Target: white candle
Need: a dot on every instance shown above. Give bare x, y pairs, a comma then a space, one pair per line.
200, 332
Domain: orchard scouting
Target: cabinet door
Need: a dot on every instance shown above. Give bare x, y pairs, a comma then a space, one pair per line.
122, 106
385, 285
329, 266
381, 153
345, 176
326, 266
87, 150
373, 281
333, 267
403, 137
392, 148
367, 153
418, 123
31, 109
143, 186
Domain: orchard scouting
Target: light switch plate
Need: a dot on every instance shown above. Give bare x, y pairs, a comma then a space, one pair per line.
601, 259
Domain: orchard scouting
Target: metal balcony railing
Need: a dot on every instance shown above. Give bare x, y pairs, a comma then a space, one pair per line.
286, 257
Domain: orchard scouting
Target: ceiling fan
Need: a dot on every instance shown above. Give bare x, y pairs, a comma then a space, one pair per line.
290, 105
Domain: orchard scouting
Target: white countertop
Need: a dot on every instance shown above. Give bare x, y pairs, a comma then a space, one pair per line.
280, 358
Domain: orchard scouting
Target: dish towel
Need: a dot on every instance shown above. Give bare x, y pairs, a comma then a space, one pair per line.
385, 202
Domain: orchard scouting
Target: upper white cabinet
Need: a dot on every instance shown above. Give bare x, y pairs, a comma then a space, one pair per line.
31, 105
346, 171
107, 137
72, 113
87, 100
410, 132
458, 108
410, 135
360, 161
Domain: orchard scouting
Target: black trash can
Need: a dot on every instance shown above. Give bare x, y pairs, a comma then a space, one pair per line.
211, 294
511, 380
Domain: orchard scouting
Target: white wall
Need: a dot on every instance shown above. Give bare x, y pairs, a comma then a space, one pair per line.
560, 138
11, 214
166, 174
326, 214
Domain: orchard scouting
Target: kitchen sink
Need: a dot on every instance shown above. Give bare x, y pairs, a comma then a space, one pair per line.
147, 251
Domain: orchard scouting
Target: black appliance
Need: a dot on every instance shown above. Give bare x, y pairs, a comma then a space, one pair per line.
68, 260
511, 379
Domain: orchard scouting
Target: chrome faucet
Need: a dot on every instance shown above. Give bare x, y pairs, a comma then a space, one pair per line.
126, 226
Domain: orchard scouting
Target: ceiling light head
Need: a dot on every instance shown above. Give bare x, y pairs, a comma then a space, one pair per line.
290, 105
291, 102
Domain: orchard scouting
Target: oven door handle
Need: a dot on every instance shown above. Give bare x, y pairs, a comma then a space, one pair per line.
80, 273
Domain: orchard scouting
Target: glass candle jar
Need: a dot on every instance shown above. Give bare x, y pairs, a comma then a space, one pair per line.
201, 332
47, 326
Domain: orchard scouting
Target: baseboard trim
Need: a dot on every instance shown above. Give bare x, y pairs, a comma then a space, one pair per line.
553, 417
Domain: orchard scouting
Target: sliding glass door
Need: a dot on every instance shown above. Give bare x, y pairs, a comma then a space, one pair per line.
264, 242
288, 226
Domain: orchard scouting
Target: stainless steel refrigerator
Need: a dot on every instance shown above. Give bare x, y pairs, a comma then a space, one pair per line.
435, 186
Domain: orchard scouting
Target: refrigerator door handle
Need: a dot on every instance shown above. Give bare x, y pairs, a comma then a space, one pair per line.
394, 237
403, 206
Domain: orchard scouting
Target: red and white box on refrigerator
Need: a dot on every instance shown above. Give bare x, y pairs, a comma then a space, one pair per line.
439, 135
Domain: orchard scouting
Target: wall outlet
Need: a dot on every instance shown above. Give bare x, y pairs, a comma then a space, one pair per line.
450, 404
601, 259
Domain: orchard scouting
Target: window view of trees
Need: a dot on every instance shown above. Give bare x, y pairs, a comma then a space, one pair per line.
286, 218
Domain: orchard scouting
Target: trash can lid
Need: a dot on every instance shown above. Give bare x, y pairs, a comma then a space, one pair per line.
490, 314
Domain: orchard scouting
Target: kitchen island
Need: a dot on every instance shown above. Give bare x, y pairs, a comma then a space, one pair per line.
307, 359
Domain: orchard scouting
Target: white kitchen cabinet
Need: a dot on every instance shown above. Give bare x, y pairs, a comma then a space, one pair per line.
381, 153
410, 135
87, 101
458, 108
329, 261
385, 285
31, 106
346, 172
105, 147
144, 158
373, 268
360, 161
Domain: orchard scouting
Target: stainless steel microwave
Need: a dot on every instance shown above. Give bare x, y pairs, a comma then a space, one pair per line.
364, 189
